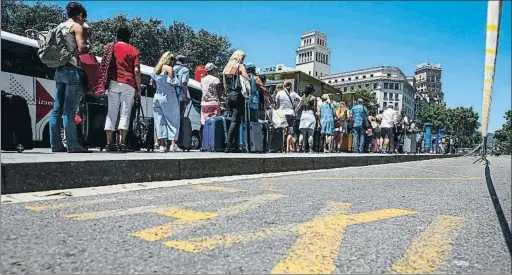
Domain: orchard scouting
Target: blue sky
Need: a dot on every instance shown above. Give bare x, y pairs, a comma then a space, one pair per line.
360, 35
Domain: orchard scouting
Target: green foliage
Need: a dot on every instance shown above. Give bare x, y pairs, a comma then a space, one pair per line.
460, 122
18, 16
151, 36
369, 98
503, 136
437, 114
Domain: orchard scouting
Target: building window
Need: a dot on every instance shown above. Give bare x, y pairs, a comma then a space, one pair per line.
397, 86
357, 77
321, 74
383, 105
389, 75
349, 78
343, 79
360, 86
367, 85
364, 76
385, 96
309, 72
329, 81
327, 60
371, 75
396, 105
374, 85
396, 96
336, 80
344, 89
385, 85
316, 73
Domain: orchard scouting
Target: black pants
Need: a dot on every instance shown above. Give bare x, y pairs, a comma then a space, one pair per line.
236, 107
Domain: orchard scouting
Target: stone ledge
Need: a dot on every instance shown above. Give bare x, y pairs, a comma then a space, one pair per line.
46, 176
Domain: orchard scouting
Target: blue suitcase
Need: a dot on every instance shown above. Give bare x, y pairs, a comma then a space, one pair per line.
216, 129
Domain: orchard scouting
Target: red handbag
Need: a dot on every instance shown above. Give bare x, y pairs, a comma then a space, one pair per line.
91, 67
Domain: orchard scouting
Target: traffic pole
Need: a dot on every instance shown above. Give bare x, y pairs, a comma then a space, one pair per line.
494, 9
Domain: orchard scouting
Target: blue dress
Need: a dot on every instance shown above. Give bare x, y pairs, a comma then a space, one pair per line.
326, 119
166, 108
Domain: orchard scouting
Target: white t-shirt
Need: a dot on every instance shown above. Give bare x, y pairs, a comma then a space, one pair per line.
388, 118
209, 85
284, 101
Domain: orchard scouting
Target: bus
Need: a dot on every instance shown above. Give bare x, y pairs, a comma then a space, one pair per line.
23, 73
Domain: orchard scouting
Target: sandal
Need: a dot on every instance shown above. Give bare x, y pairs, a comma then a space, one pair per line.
111, 148
122, 148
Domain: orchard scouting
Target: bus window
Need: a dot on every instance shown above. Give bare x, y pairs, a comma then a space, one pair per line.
21, 59
195, 94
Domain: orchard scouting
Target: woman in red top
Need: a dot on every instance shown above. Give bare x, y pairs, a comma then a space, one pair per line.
124, 86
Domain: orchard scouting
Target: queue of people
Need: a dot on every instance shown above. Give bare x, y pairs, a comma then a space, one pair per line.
309, 123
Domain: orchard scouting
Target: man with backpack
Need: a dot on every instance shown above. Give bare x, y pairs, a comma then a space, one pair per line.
60, 49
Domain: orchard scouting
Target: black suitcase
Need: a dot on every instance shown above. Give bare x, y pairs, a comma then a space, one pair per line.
141, 130
93, 110
16, 129
275, 137
317, 141
185, 134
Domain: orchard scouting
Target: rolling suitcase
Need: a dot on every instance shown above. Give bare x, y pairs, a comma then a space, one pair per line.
317, 141
185, 134
347, 144
93, 110
275, 139
252, 134
141, 130
16, 130
215, 134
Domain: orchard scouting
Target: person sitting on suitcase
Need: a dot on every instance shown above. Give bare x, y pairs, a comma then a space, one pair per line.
69, 79
124, 86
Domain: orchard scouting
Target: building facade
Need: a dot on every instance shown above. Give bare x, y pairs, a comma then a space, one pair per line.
427, 81
313, 57
389, 84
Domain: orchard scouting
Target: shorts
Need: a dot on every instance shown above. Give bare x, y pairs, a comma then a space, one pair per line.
387, 132
343, 127
290, 120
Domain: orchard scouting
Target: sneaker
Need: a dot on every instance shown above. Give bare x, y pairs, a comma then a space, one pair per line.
162, 149
173, 148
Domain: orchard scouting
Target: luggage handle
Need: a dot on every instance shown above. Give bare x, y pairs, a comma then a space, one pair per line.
139, 108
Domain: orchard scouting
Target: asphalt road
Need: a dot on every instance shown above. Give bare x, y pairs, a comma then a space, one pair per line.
432, 216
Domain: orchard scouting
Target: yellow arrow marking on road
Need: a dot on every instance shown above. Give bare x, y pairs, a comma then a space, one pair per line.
196, 245
318, 245
166, 230
431, 248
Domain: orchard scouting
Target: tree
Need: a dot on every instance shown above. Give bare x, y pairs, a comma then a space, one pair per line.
369, 98
151, 36
17, 16
463, 124
503, 136
437, 114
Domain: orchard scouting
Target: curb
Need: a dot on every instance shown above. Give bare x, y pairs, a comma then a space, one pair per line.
46, 176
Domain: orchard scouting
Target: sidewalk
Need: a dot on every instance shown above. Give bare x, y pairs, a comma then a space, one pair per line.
41, 170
